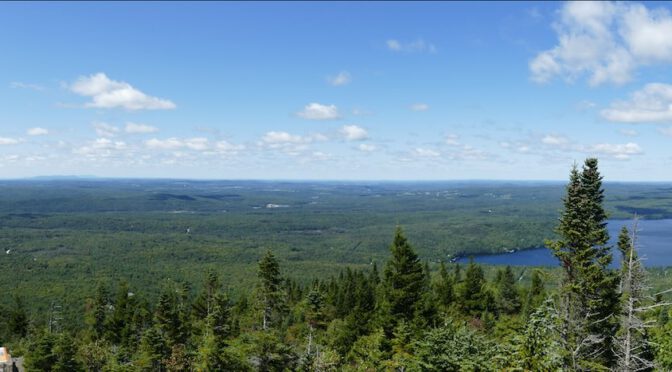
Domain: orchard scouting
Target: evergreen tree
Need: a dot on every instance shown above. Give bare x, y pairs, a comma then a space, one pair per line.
509, 298
535, 294
119, 326
270, 293
154, 350
41, 356
98, 312
588, 290
444, 287
64, 355
404, 280
168, 318
472, 296
204, 302
539, 348
17, 320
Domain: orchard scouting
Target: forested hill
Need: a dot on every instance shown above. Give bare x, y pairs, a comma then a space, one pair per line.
213, 276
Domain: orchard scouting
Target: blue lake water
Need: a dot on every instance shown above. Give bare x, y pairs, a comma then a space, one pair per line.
654, 245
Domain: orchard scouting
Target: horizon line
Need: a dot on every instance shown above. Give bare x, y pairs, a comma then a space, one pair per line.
298, 180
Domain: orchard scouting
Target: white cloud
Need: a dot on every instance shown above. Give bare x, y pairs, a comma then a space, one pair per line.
105, 130
425, 153
617, 151
195, 143
107, 93
227, 147
8, 141
20, 85
282, 137
554, 140
468, 152
417, 46
452, 140
37, 131
343, 78
366, 147
653, 103
100, 148
317, 111
290, 144
605, 41
419, 107
166, 144
134, 128
354, 133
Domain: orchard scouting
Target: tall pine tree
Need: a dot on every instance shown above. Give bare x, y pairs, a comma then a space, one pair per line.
589, 289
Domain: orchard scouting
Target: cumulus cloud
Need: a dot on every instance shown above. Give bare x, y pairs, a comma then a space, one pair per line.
605, 41
317, 111
226, 147
617, 151
416, 46
37, 131
343, 78
274, 137
100, 148
173, 143
107, 93
353, 133
134, 128
8, 141
290, 144
105, 130
653, 104
419, 107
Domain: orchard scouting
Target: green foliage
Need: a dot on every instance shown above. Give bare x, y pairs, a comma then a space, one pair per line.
271, 297
472, 296
17, 318
509, 298
539, 347
64, 351
589, 289
404, 279
41, 355
326, 306
457, 348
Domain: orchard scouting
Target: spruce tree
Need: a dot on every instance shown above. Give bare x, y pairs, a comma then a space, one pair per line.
444, 287
17, 321
472, 296
588, 292
270, 291
509, 299
404, 279
64, 352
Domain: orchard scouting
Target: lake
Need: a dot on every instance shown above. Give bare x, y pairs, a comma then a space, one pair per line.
654, 245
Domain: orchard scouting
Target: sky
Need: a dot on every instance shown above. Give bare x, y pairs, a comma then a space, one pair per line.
336, 90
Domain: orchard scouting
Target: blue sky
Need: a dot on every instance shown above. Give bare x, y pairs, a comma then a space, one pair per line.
398, 91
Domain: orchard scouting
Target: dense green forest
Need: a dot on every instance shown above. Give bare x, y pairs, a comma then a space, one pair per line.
153, 289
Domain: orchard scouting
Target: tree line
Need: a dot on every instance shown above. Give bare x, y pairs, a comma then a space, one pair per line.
403, 317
